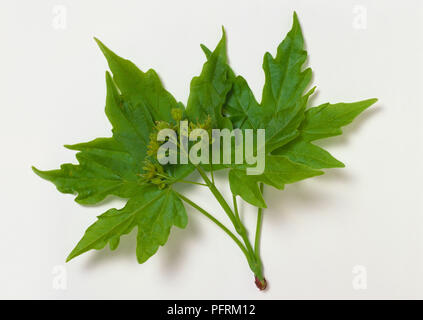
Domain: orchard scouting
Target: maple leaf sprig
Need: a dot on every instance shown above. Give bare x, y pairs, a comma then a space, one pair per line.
138, 107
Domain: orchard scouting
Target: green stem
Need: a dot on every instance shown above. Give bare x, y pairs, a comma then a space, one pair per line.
253, 259
217, 222
211, 173
219, 197
258, 228
239, 227
192, 182
236, 209
243, 231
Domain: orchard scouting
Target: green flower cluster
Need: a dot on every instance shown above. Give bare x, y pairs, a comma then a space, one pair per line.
153, 170
155, 174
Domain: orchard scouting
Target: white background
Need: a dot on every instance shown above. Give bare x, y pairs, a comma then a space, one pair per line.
368, 214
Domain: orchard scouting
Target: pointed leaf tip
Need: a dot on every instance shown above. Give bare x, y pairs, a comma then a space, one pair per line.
70, 257
106, 51
69, 146
108, 77
295, 18
368, 103
97, 40
373, 100
99, 43
40, 173
311, 91
223, 39
206, 50
35, 170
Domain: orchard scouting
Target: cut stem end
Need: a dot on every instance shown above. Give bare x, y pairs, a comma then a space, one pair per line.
261, 284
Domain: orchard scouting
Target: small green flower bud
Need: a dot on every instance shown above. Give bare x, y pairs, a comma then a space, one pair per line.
160, 125
157, 181
176, 114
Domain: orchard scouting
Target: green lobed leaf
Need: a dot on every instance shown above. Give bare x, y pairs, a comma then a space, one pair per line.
280, 113
105, 168
285, 80
152, 211
112, 166
289, 129
246, 113
140, 88
283, 103
108, 166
